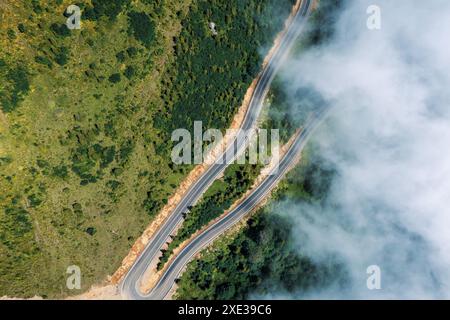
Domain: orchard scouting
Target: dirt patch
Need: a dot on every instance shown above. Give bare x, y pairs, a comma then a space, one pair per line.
109, 292
8, 298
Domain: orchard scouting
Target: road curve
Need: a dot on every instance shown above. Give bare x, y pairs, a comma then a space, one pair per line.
129, 286
177, 265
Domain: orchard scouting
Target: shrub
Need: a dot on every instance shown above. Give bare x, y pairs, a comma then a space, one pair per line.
17, 221
113, 184
132, 52
14, 88
62, 57
129, 72
60, 171
21, 27
142, 27
114, 78
60, 29
5, 160
34, 200
91, 231
105, 8
120, 56
11, 34
44, 61
36, 6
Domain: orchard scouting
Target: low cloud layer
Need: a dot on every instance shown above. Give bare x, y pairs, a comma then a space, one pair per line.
388, 138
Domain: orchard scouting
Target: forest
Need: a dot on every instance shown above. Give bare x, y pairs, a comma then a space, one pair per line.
14, 86
211, 73
262, 257
86, 117
221, 195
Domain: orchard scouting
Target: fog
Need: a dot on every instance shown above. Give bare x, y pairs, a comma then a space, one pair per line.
388, 138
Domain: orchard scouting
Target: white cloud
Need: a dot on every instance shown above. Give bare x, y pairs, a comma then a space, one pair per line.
389, 138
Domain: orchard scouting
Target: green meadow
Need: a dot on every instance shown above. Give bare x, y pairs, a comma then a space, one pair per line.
86, 117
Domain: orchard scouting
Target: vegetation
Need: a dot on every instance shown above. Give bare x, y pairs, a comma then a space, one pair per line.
211, 74
14, 86
86, 117
323, 22
288, 112
221, 195
105, 8
278, 113
255, 261
142, 27
75, 140
262, 258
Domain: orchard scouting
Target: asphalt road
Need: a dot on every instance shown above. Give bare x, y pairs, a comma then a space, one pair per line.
131, 282
167, 280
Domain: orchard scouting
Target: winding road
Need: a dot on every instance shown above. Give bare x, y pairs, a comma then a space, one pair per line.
130, 285
177, 265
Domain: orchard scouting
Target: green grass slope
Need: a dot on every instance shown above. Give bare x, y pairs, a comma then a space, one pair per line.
86, 117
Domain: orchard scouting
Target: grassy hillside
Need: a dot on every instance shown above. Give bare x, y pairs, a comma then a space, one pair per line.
86, 117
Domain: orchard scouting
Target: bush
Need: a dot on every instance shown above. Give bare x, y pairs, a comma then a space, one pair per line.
113, 184
129, 72
142, 27
34, 200
60, 29
44, 61
125, 151
91, 231
105, 8
120, 56
89, 161
5, 160
36, 6
21, 27
60, 171
14, 88
132, 52
114, 78
11, 34
62, 57
17, 221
